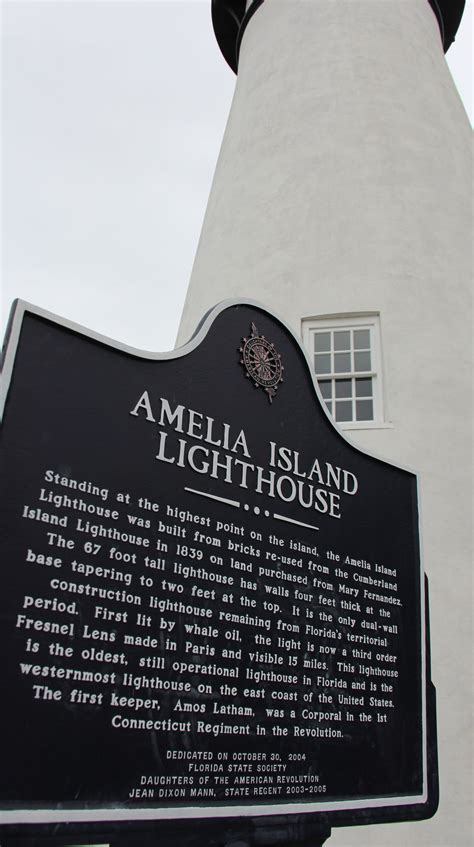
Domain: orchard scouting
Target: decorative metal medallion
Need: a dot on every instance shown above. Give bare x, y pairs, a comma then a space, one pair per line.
262, 362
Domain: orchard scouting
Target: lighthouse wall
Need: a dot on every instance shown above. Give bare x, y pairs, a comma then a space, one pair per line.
342, 189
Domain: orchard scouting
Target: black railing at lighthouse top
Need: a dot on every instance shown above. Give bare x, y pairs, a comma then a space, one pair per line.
230, 18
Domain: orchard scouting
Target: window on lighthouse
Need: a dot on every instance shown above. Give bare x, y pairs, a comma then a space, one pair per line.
345, 354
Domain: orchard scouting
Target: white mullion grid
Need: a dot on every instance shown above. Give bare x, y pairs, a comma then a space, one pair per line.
373, 349
334, 376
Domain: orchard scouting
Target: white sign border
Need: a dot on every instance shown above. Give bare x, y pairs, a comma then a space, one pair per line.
111, 814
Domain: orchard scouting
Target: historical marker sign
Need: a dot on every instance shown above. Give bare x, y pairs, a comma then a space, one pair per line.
211, 603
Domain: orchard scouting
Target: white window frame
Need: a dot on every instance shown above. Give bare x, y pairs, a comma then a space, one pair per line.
370, 321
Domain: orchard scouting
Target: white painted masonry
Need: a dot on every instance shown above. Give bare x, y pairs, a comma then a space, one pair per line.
343, 186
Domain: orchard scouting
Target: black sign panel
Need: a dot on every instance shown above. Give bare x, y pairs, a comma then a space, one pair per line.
211, 602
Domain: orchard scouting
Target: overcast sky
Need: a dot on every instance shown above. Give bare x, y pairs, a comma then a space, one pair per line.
113, 115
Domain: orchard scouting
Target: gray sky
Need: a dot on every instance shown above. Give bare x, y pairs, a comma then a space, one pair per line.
113, 115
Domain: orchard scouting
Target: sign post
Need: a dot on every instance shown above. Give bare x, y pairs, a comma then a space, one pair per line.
212, 604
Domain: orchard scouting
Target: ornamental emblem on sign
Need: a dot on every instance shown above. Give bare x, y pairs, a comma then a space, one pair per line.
262, 362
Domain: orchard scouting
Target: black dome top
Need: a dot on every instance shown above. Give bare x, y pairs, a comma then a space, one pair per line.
229, 19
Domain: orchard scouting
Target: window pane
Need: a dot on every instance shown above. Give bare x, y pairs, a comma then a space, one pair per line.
322, 342
325, 388
342, 340
322, 363
364, 410
364, 387
344, 410
342, 362
362, 361
329, 407
343, 387
361, 339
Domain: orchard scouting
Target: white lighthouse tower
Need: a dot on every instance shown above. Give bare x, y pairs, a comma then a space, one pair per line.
342, 202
